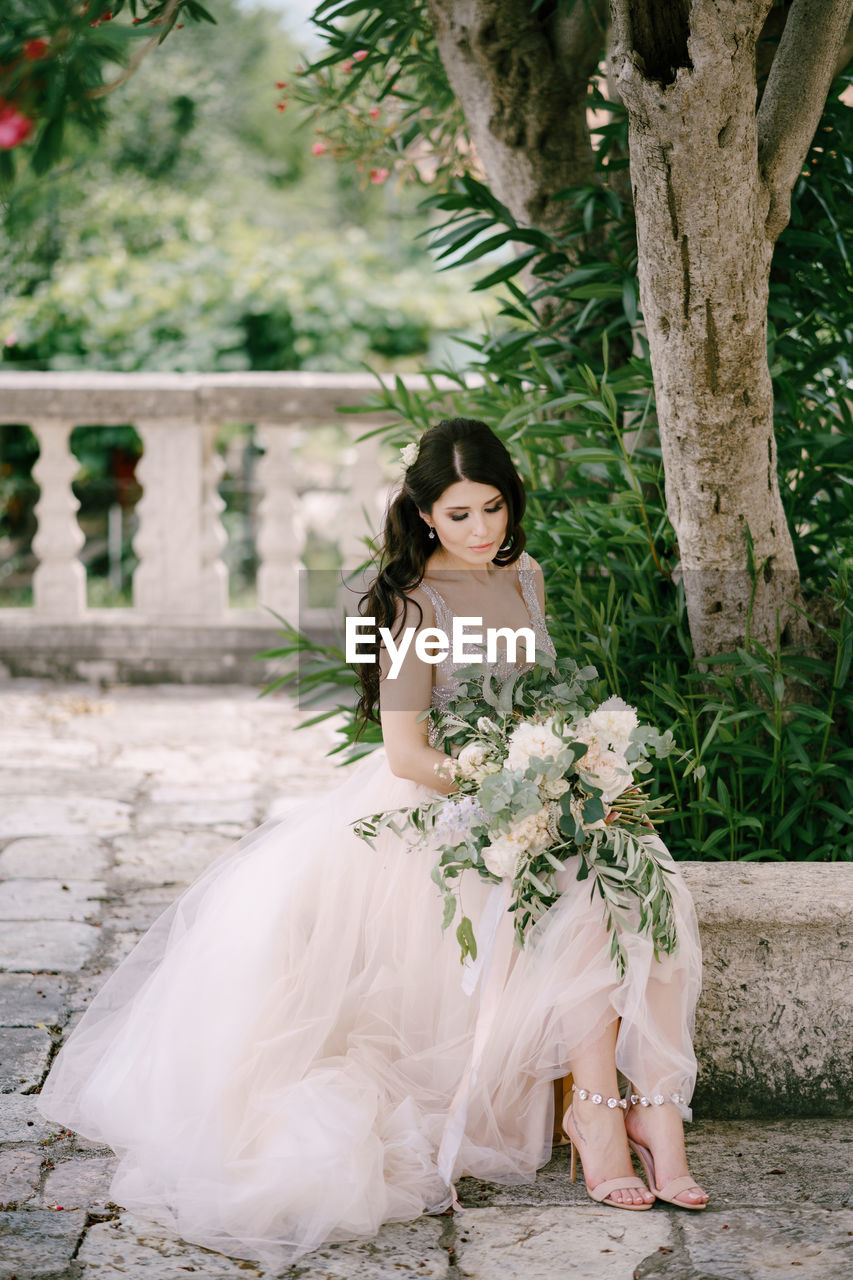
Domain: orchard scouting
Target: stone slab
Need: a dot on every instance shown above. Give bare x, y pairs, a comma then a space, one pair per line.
21, 1121
118, 944
24, 1054
131, 1244
32, 749
153, 857
36, 1243
51, 899
400, 1250
539, 1244
773, 1022
57, 945
74, 815
73, 857
26, 999
20, 1170
195, 766
766, 1244
205, 811
80, 1183
139, 908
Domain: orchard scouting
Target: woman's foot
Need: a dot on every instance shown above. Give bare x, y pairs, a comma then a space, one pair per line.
660, 1130
598, 1133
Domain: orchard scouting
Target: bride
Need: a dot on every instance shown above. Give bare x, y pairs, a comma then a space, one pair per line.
286, 1058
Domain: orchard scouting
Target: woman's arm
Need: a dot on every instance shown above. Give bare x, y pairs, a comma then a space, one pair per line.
402, 698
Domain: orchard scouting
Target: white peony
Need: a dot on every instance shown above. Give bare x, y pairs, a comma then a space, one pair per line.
502, 857
471, 760
613, 722
607, 770
530, 741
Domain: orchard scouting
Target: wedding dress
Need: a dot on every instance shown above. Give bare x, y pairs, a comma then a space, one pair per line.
286, 1052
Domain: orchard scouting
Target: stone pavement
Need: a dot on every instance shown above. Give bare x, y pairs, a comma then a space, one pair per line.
110, 802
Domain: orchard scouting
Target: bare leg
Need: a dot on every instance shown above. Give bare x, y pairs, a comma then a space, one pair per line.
661, 1130
599, 1131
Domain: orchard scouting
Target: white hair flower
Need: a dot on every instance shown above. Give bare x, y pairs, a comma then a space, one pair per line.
409, 454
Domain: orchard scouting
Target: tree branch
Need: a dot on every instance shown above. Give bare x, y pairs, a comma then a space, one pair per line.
142, 52
795, 95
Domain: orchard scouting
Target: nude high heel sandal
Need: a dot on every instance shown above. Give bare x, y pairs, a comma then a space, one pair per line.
603, 1192
676, 1185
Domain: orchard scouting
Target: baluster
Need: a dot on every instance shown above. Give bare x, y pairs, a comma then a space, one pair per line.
365, 498
180, 573
364, 502
214, 571
59, 582
281, 530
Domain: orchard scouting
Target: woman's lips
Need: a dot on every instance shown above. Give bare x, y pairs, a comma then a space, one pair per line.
484, 547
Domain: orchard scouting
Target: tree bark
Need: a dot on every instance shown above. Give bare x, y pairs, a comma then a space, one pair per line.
703, 202
522, 77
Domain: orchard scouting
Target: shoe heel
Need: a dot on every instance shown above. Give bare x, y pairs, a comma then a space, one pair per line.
573, 1173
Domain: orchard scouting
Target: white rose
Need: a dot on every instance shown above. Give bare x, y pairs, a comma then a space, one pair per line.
409, 454
530, 741
609, 771
613, 721
502, 857
471, 759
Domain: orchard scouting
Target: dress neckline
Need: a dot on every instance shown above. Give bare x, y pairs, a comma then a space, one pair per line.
522, 563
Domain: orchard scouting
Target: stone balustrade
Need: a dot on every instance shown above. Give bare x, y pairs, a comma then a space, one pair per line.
180, 625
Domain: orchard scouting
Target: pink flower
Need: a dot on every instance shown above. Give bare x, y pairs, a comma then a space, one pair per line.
11, 340
14, 127
374, 113
281, 106
35, 49
347, 65
281, 84
379, 175
359, 55
318, 148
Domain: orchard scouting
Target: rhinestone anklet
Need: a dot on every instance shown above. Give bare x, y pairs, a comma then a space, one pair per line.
657, 1099
598, 1098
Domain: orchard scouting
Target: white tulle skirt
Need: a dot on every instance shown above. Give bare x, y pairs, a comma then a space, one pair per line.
283, 1055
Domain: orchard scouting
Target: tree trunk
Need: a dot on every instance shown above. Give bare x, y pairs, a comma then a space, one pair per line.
522, 79
704, 196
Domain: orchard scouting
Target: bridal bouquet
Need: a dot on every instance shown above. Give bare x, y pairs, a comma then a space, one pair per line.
544, 774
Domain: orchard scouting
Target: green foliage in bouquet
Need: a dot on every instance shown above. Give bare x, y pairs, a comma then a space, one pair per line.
544, 774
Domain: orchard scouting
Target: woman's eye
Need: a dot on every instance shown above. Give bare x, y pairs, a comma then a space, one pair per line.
489, 511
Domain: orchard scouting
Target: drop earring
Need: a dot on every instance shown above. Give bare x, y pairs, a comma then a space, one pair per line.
431, 532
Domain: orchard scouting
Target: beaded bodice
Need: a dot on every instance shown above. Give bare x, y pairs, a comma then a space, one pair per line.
445, 683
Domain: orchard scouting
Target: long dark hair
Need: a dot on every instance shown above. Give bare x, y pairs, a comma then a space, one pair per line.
455, 449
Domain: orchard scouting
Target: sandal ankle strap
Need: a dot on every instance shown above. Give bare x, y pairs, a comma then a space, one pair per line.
656, 1100
599, 1098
